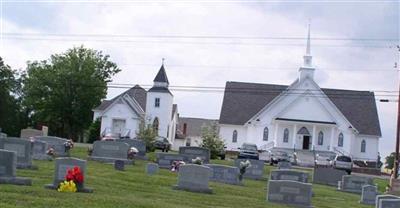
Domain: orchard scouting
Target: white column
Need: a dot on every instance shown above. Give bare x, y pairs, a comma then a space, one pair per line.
332, 138
294, 135
276, 134
314, 129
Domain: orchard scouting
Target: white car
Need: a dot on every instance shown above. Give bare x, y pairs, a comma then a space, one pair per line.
343, 162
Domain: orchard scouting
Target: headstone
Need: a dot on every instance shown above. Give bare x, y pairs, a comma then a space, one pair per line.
389, 203
224, 174
394, 185
27, 133
152, 168
368, 194
140, 145
290, 193
327, 175
39, 150
119, 165
194, 178
201, 152
164, 160
3, 135
8, 166
255, 171
62, 165
109, 151
354, 184
383, 197
23, 149
57, 143
284, 165
289, 175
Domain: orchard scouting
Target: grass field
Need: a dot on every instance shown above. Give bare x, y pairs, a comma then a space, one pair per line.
133, 188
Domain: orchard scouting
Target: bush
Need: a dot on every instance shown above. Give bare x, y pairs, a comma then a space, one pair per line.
211, 140
148, 135
93, 132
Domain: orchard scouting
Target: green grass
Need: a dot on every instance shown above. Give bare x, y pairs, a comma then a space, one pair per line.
133, 188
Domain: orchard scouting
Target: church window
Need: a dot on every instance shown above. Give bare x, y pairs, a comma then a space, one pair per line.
286, 135
363, 146
265, 135
234, 136
155, 125
157, 102
340, 140
321, 138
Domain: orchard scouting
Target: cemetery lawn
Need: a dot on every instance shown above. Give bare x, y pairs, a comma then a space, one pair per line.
133, 188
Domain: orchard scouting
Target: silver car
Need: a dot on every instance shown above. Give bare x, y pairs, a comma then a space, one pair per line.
343, 162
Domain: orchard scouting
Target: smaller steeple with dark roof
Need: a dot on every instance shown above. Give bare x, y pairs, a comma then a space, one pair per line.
161, 76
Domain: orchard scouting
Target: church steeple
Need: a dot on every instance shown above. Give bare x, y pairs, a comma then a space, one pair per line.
161, 78
307, 70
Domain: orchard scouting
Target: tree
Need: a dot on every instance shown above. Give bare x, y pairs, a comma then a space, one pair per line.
211, 140
148, 134
13, 116
93, 133
63, 90
389, 161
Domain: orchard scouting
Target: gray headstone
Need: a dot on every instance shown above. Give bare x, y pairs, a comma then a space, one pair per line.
201, 152
354, 184
27, 133
290, 192
57, 143
61, 167
140, 145
164, 160
152, 168
8, 165
224, 174
109, 151
119, 165
194, 178
284, 165
290, 175
389, 203
382, 197
3, 135
255, 171
39, 150
327, 175
22, 147
368, 194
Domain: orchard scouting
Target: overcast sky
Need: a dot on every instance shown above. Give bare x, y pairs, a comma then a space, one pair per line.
345, 64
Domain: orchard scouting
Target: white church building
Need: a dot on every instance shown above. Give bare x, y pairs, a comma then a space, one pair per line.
122, 115
301, 116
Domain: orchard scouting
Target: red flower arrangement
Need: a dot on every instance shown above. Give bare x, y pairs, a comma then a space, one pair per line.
75, 175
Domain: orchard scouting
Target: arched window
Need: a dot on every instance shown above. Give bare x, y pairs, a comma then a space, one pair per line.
321, 138
340, 140
155, 125
265, 134
363, 146
286, 135
234, 136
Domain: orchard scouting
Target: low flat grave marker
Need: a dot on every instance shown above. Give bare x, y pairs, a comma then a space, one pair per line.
224, 174
354, 184
23, 149
284, 165
152, 168
201, 152
256, 169
194, 178
290, 175
57, 143
109, 151
8, 166
61, 166
119, 165
368, 194
165, 160
289, 192
327, 175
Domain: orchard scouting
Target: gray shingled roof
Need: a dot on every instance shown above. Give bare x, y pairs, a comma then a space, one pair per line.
136, 92
194, 125
243, 100
161, 75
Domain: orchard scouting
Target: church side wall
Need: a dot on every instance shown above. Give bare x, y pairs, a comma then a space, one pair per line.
371, 150
226, 132
121, 111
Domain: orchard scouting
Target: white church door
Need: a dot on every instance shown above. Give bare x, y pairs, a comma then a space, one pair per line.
118, 126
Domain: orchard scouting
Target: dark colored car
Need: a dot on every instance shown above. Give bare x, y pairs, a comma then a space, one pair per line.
162, 143
278, 156
248, 151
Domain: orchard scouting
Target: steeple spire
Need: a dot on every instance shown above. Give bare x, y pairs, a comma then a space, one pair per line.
308, 58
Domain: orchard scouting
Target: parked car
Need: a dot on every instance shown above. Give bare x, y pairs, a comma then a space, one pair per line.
343, 162
324, 160
277, 156
162, 144
248, 151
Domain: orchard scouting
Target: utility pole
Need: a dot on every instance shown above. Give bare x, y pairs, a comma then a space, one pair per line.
396, 159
